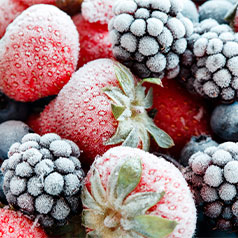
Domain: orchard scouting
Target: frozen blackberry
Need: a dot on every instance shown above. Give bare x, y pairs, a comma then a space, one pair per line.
43, 177
149, 36
213, 62
216, 169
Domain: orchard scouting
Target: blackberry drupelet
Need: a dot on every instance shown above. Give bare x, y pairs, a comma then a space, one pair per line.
149, 36
43, 177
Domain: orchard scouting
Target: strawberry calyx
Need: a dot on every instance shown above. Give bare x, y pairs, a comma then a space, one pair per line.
129, 109
115, 213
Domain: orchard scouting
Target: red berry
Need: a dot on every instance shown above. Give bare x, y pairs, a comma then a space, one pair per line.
97, 10
38, 53
9, 10
15, 225
126, 183
97, 109
94, 40
179, 113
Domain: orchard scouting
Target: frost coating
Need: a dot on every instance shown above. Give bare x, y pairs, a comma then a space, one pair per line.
60, 210
231, 172
209, 194
64, 165
149, 29
60, 148
44, 203
54, 184
148, 46
46, 139
41, 182
222, 78
23, 170
200, 163
17, 185
227, 191
129, 42
213, 176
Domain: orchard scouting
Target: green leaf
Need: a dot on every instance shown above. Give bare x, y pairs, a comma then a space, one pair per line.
132, 140
125, 79
88, 201
156, 81
117, 95
144, 136
139, 203
120, 135
133, 234
149, 99
153, 226
128, 178
161, 137
97, 189
140, 95
112, 184
230, 16
117, 110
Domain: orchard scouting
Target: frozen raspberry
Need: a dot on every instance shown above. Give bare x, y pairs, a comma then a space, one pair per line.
127, 190
38, 53
42, 180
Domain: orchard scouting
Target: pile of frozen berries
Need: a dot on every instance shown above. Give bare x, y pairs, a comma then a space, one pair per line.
118, 118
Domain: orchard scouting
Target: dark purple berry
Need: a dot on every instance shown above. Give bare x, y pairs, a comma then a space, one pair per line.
11, 132
224, 121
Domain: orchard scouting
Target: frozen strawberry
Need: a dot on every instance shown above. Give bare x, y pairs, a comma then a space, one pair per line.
14, 225
132, 193
38, 53
94, 40
9, 10
101, 106
179, 114
97, 10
